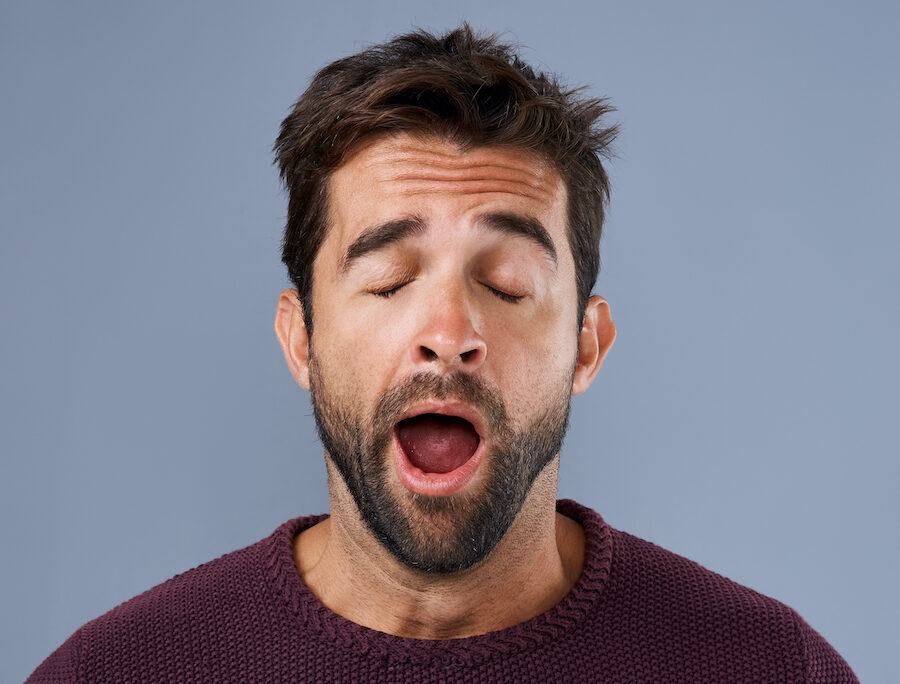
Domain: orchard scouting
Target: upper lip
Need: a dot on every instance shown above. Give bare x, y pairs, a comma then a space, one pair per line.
446, 408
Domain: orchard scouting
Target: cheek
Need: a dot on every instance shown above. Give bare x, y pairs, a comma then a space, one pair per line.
362, 350
537, 354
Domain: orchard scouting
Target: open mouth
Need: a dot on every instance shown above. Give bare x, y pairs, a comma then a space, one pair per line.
437, 443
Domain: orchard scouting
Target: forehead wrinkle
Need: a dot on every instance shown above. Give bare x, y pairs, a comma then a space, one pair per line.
415, 160
478, 171
515, 174
474, 188
456, 156
489, 178
453, 163
516, 161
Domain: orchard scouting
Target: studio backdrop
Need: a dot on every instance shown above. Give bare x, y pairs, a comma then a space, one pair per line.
747, 416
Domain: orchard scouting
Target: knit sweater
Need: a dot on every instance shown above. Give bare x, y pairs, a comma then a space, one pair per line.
638, 613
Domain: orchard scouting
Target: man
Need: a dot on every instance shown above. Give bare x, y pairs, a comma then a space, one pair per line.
445, 209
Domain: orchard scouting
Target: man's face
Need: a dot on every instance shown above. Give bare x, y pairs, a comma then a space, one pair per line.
444, 349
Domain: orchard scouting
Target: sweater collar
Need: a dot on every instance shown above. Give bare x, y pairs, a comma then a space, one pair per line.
575, 607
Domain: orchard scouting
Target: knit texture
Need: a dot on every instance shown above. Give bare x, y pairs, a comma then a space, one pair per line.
637, 614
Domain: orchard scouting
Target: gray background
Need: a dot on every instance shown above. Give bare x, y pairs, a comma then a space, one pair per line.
747, 416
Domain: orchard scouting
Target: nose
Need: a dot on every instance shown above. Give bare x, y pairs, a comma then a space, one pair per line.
448, 339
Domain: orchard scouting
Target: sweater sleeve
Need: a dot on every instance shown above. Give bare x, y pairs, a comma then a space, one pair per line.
822, 664
61, 666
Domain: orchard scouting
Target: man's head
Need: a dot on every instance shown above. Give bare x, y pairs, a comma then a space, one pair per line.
431, 238
471, 90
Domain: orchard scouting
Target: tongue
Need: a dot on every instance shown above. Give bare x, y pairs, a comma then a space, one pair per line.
437, 444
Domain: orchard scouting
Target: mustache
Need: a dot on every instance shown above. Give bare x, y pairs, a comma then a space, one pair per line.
457, 385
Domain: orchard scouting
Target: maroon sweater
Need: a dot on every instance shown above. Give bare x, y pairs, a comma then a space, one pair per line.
637, 614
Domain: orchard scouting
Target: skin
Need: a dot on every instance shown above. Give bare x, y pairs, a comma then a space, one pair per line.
452, 312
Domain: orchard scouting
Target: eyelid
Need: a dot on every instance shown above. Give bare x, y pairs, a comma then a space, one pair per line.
505, 296
390, 291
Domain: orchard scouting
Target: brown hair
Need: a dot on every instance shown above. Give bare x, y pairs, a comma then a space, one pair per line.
468, 88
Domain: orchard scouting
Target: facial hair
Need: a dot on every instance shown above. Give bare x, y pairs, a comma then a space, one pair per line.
436, 534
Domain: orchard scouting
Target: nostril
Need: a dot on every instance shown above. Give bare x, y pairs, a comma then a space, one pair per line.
428, 354
467, 356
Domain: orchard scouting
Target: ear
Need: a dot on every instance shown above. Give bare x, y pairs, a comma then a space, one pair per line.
596, 337
291, 332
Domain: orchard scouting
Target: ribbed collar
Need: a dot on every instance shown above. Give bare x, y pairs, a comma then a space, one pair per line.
526, 636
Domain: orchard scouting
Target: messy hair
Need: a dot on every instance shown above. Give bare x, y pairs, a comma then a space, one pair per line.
468, 88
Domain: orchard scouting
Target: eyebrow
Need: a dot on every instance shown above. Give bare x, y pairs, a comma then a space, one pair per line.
383, 234
379, 236
523, 226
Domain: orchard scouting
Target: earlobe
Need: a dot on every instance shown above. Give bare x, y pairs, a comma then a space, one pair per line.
594, 340
291, 332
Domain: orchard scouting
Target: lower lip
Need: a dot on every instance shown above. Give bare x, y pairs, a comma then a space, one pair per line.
435, 484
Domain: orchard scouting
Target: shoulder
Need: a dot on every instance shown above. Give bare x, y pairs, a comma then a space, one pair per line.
647, 572
176, 620
203, 594
686, 606
658, 616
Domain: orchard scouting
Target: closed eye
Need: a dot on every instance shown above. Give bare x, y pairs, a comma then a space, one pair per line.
390, 291
505, 296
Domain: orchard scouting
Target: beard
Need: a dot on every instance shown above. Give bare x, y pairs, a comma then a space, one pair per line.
436, 534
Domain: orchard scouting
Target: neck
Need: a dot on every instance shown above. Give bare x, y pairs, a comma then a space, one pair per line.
532, 568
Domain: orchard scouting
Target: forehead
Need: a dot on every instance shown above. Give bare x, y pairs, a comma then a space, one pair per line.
429, 176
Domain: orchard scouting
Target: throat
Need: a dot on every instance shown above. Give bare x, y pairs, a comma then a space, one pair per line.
353, 575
